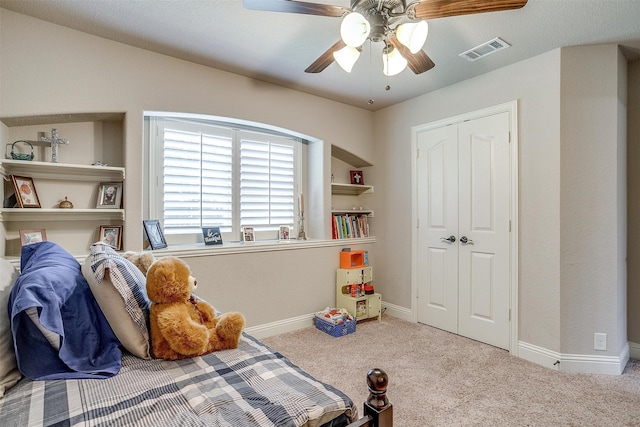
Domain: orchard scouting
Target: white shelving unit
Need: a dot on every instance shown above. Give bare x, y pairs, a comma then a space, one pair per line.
367, 212
92, 136
60, 172
363, 306
37, 214
353, 190
350, 189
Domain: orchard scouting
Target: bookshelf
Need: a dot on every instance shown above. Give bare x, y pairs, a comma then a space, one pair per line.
93, 137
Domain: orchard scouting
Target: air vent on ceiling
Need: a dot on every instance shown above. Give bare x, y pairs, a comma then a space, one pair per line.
485, 49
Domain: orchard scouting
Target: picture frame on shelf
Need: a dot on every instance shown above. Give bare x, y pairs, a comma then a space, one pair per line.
25, 190
29, 237
212, 235
111, 235
284, 234
356, 177
248, 235
109, 195
154, 237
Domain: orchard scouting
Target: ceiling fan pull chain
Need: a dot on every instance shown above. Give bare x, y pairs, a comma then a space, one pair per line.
386, 58
371, 100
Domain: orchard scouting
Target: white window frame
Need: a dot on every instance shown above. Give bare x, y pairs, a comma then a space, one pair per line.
154, 141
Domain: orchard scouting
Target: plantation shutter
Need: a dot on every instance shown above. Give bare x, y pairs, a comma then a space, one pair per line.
267, 181
198, 177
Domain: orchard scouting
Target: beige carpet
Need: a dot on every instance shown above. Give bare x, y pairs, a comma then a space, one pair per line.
441, 379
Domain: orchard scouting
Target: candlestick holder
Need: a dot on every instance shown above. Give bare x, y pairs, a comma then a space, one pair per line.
301, 234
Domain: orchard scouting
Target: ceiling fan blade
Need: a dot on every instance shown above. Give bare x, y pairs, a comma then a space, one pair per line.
292, 6
417, 62
325, 59
430, 9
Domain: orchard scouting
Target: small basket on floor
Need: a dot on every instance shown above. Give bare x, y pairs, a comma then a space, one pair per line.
335, 330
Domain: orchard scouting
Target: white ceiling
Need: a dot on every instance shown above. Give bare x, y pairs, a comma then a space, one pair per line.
277, 47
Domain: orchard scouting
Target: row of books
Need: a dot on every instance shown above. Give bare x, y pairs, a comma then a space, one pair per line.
349, 226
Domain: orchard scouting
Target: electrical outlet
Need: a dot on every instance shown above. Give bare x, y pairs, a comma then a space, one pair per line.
600, 342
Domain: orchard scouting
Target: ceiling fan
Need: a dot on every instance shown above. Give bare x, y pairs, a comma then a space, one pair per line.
401, 26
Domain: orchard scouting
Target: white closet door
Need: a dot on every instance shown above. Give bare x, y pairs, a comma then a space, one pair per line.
437, 175
463, 187
484, 222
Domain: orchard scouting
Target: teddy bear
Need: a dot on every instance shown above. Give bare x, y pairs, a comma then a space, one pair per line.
183, 325
142, 260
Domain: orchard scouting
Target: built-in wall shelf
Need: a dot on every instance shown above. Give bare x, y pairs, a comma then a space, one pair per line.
39, 214
60, 171
350, 189
62, 118
367, 212
345, 156
94, 137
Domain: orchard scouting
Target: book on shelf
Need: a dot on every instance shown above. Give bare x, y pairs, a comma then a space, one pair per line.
349, 226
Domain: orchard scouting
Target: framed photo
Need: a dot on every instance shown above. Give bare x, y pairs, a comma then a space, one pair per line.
109, 195
285, 233
248, 235
111, 235
357, 177
27, 237
212, 235
154, 234
25, 191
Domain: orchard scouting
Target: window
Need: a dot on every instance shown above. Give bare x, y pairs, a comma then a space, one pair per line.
212, 174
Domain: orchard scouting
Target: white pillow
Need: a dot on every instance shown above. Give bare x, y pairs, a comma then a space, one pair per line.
120, 290
9, 374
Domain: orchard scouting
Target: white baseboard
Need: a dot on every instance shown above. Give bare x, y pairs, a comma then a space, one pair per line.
574, 363
539, 355
398, 311
281, 326
634, 350
306, 320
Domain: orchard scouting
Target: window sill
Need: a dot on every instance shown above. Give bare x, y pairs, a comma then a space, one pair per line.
200, 249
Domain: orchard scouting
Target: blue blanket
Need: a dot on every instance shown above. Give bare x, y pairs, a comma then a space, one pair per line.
51, 281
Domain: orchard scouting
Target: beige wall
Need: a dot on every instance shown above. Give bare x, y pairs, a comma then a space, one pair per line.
633, 205
536, 85
48, 69
592, 234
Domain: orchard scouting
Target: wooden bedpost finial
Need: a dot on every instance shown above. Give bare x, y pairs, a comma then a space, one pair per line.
377, 381
377, 406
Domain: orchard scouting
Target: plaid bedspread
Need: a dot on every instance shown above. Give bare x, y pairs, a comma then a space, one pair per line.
249, 386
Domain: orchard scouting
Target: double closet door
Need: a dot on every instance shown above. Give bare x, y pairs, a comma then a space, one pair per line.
463, 200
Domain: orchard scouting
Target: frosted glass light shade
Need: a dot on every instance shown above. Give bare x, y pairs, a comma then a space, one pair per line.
354, 29
346, 57
413, 35
392, 62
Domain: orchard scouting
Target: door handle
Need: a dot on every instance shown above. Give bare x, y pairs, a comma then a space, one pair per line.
466, 241
450, 239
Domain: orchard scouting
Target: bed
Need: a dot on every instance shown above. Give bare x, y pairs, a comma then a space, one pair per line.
252, 385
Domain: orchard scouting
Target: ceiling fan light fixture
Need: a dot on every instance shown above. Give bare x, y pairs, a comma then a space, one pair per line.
354, 29
346, 57
413, 35
392, 62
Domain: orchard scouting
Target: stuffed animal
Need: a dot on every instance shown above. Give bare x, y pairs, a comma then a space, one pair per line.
142, 260
182, 325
